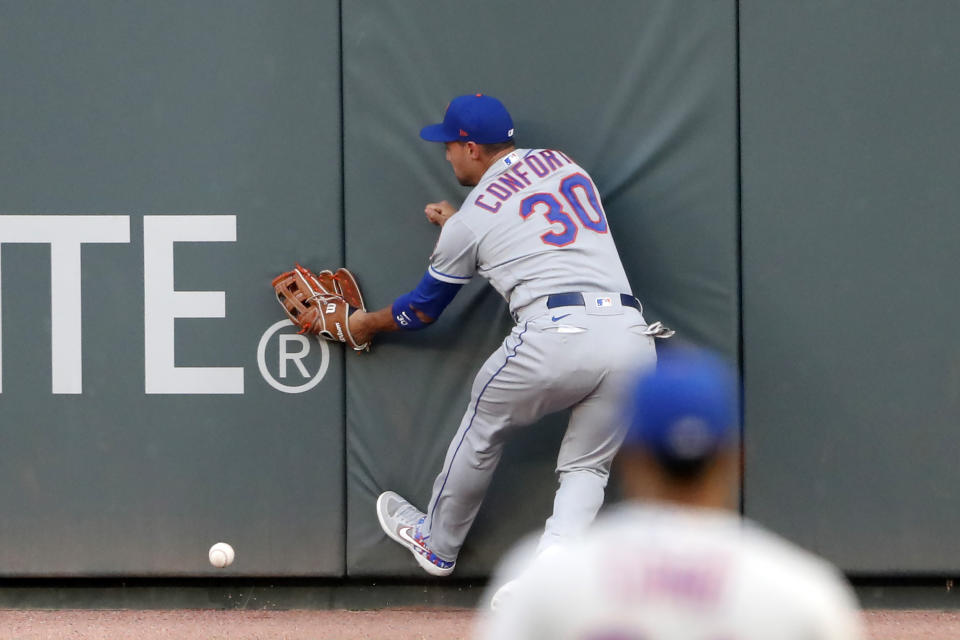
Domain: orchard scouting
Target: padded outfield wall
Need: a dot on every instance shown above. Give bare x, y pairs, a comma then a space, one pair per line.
160, 162
850, 227
149, 151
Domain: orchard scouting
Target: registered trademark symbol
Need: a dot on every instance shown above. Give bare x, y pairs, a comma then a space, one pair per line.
292, 349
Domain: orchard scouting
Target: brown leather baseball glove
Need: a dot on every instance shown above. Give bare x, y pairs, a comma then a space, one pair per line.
321, 303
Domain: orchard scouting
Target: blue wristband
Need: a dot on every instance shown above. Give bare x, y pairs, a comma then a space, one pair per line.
405, 315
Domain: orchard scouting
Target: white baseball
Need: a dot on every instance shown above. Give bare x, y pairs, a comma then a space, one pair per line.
221, 555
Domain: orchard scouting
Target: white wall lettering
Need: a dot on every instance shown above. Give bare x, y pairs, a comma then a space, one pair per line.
64, 234
295, 356
162, 304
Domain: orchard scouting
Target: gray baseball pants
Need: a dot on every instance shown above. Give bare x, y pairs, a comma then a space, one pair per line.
581, 360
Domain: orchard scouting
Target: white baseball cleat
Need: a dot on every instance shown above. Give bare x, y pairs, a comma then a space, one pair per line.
503, 594
509, 589
401, 521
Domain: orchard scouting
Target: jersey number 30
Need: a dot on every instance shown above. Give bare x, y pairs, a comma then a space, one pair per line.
575, 189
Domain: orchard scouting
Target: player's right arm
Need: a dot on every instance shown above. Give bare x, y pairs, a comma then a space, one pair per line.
536, 609
439, 212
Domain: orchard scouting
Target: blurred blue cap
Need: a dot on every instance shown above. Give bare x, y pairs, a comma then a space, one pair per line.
475, 117
686, 409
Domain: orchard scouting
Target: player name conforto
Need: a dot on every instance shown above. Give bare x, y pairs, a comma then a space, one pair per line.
162, 304
541, 164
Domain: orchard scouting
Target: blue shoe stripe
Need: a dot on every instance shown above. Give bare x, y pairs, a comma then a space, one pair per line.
476, 405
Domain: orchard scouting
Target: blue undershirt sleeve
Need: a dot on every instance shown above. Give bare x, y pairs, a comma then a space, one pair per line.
430, 298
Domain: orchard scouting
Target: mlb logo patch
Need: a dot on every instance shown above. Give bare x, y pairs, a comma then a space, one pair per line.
604, 302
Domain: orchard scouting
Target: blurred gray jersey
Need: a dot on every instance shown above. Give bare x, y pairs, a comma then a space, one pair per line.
663, 571
533, 226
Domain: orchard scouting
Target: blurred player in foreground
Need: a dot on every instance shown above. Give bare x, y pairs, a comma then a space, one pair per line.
676, 562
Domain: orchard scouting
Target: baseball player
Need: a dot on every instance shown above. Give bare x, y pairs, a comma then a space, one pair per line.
680, 565
534, 227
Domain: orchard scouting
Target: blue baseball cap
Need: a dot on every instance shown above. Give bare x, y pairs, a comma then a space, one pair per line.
686, 409
475, 117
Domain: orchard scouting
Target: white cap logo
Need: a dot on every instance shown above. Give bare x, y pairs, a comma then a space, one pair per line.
690, 437
510, 133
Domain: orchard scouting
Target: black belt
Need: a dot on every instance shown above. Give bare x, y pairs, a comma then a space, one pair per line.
575, 299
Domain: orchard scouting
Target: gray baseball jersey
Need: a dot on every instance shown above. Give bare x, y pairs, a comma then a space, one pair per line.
535, 226
663, 571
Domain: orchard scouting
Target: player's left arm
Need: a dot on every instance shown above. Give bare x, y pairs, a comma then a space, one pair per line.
411, 311
452, 265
